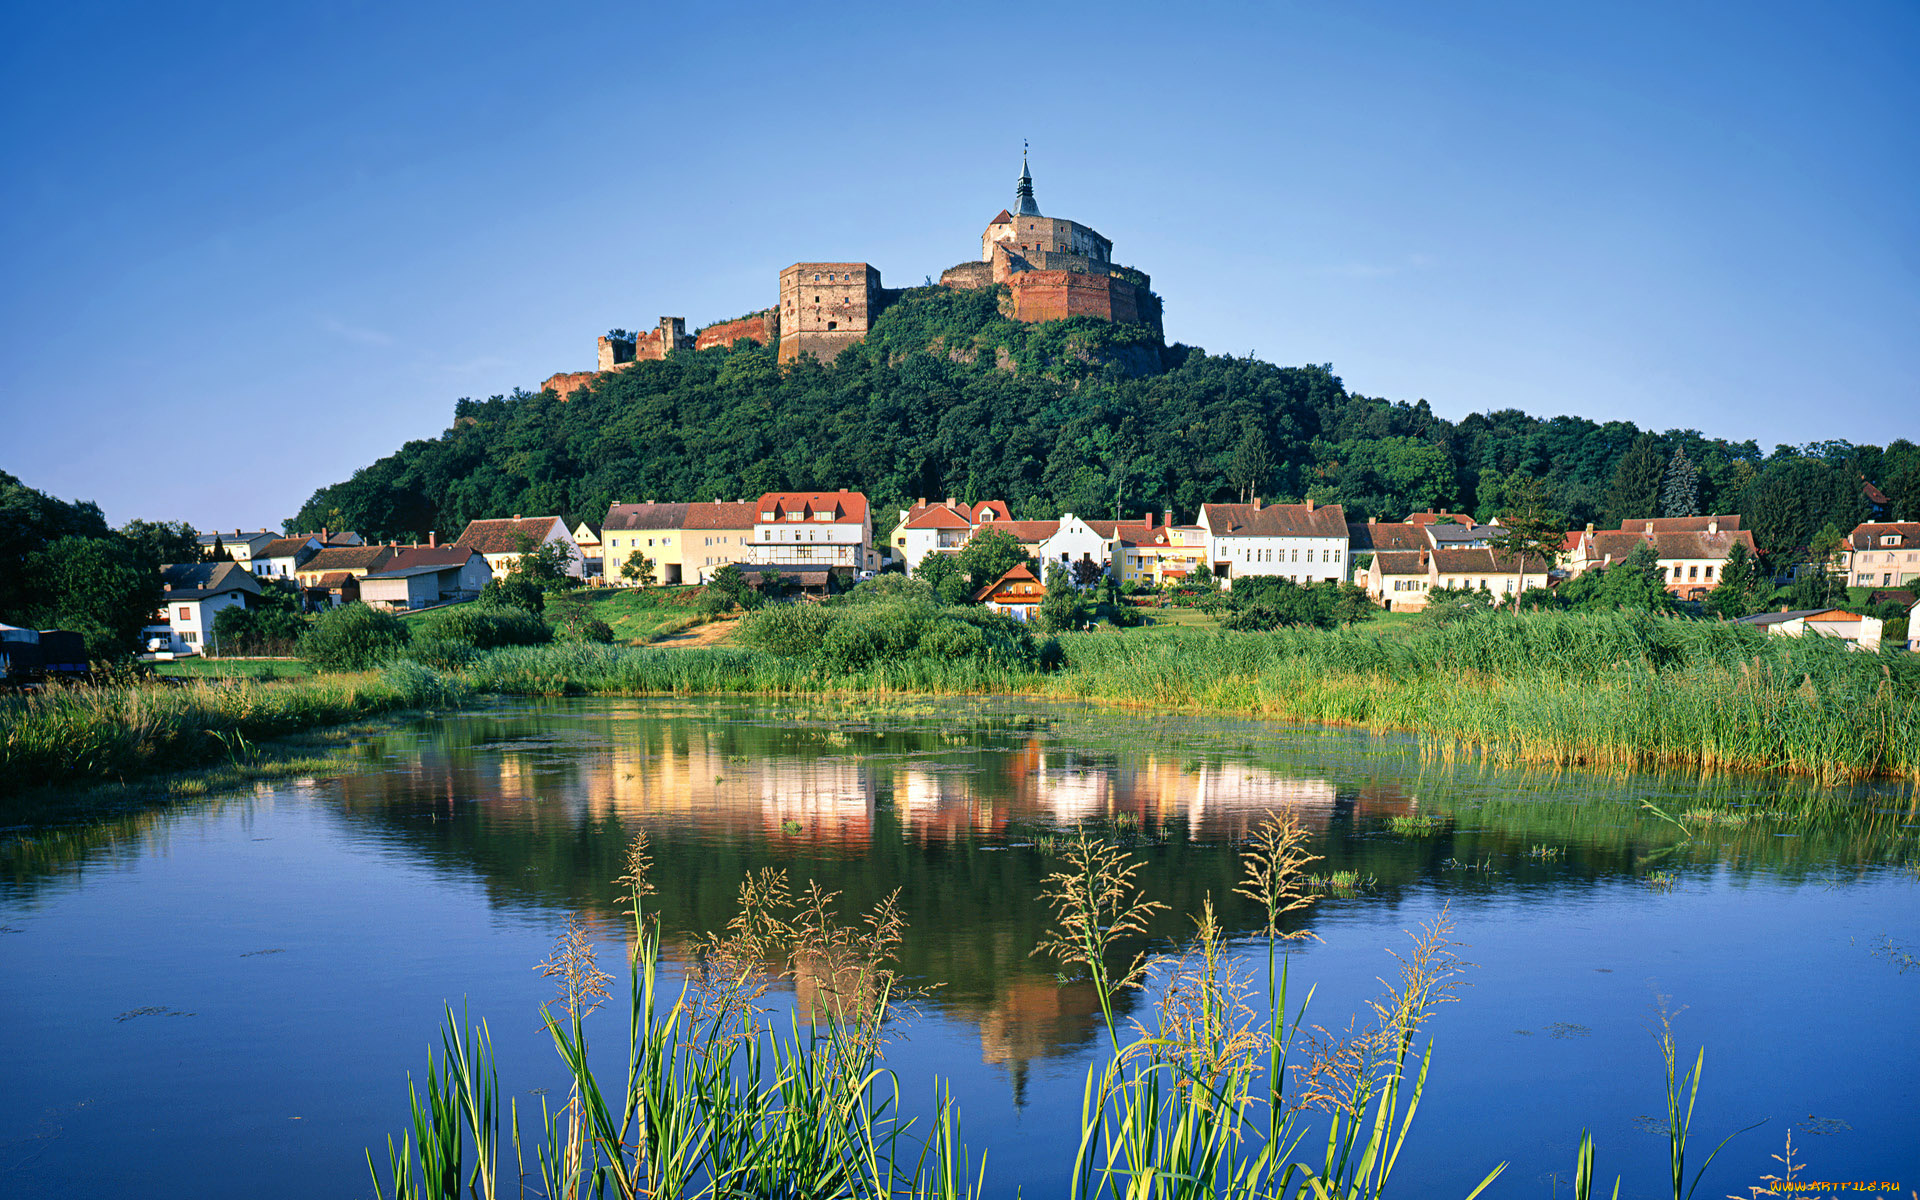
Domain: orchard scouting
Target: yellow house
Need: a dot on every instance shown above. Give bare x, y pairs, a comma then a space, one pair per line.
1168, 554
686, 542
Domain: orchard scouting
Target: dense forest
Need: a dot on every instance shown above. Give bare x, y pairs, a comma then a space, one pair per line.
947, 397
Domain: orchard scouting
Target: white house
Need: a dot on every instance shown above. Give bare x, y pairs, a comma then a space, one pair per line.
1306, 543
587, 538
501, 542
943, 528
813, 531
282, 558
1077, 539
193, 595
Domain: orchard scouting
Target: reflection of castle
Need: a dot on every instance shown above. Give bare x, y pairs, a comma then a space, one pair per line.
1052, 269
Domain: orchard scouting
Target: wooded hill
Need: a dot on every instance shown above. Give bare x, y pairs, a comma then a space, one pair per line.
947, 397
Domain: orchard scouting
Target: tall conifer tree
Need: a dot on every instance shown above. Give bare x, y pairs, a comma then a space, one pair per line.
1635, 492
1680, 492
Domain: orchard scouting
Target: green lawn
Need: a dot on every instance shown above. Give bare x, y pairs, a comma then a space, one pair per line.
634, 614
233, 668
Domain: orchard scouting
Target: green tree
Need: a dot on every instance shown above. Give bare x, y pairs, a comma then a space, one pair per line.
988, 555
159, 543
942, 573
639, 569
1635, 492
353, 637
1530, 526
730, 584
1064, 608
1635, 582
1251, 462
545, 564
1733, 596
514, 590
97, 587
1680, 488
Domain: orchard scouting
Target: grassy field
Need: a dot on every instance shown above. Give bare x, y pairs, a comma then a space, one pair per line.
234, 668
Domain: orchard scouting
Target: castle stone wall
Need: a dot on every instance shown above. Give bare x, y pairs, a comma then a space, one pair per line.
564, 383
969, 274
762, 327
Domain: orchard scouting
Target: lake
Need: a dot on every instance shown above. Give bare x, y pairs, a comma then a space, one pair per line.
226, 996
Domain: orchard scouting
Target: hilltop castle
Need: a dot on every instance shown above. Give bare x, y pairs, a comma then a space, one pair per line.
1052, 268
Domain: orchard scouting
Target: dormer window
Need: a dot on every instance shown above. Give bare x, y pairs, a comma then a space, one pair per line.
1892, 539
766, 516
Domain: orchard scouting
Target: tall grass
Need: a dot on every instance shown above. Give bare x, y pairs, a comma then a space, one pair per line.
1614, 690
719, 1098
82, 734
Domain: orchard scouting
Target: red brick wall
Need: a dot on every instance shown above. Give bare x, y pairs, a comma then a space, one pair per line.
1057, 295
761, 327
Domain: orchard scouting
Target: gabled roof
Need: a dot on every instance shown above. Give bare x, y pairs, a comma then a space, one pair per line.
286, 547
1029, 531
1800, 614
1003, 217
1017, 574
1492, 562
937, 516
256, 537
1276, 520
624, 517
1394, 535
1901, 596
1430, 517
1441, 534
334, 579
502, 536
1139, 528
196, 581
1867, 536
1725, 521
1400, 562
349, 558
842, 505
721, 514
1616, 544
438, 557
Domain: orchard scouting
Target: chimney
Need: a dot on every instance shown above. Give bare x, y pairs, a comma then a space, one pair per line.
1169, 518
323, 535
1649, 527
1589, 527
516, 516
1373, 520
1256, 504
1783, 608
1309, 503
1713, 526
952, 503
433, 538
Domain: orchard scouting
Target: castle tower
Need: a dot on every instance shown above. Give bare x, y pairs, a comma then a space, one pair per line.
1023, 201
826, 307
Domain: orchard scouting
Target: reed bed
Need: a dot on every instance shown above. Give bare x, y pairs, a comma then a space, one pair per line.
1567, 689
92, 734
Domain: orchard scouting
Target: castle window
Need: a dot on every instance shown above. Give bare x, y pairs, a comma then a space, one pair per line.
816, 277
833, 324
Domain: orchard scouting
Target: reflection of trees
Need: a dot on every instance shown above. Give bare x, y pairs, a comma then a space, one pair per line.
948, 802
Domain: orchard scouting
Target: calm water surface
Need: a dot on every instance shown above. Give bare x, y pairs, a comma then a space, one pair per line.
225, 997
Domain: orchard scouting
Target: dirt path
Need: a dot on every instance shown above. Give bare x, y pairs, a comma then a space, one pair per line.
700, 635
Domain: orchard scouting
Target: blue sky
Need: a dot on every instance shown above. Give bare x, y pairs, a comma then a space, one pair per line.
250, 248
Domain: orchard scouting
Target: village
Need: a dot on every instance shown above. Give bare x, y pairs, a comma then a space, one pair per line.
820, 543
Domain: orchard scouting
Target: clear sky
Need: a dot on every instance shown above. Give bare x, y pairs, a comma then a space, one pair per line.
249, 248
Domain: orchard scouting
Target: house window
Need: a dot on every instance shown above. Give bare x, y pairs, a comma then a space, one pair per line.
1709, 570
190, 636
186, 614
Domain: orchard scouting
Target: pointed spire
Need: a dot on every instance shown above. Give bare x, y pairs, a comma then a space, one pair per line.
1023, 203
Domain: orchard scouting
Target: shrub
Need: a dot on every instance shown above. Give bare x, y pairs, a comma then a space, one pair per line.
485, 626
352, 637
786, 628
443, 654
514, 591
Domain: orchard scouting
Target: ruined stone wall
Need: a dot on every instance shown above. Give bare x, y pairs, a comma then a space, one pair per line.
968, 275
826, 307
564, 383
761, 327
